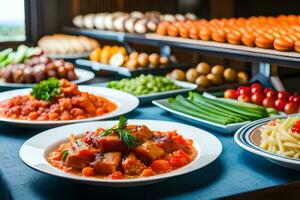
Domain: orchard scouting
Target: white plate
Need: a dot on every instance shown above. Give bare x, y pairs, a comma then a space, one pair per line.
228, 129
243, 138
186, 87
125, 102
83, 76
35, 150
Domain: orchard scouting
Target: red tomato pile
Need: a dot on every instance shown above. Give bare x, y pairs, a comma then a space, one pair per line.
257, 94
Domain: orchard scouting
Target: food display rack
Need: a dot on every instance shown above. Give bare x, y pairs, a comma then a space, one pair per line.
264, 57
123, 71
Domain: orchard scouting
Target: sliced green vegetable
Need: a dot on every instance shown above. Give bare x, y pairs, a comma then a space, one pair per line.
5, 53
64, 155
181, 108
20, 54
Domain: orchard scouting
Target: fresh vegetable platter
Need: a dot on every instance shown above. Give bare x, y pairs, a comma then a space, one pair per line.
221, 114
282, 101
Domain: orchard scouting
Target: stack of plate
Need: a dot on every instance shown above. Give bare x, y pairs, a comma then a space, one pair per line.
248, 137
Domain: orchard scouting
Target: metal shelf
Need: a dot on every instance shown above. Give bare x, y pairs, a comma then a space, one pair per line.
111, 35
243, 53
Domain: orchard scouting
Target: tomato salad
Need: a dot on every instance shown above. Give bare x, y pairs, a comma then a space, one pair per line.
55, 99
122, 152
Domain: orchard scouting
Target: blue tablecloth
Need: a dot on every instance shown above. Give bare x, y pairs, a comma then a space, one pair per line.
233, 172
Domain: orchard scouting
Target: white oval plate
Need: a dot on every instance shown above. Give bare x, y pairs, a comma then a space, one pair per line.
83, 76
243, 138
224, 129
34, 151
125, 102
147, 98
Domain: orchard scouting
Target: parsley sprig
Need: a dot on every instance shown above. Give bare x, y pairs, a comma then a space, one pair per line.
46, 90
124, 134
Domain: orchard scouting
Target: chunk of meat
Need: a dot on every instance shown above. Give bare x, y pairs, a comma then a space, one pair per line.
111, 143
132, 165
169, 144
142, 132
107, 163
148, 151
75, 160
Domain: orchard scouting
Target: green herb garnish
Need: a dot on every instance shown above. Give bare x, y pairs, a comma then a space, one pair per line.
124, 134
46, 90
64, 155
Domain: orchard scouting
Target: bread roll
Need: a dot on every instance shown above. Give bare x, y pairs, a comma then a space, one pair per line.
283, 43
88, 21
190, 16
99, 21
179, 17
140, 26
129, 24
264, 41
297, 46
219, 35
169, 18
152, 25
137, 14
119, 23
78, 21
248, 39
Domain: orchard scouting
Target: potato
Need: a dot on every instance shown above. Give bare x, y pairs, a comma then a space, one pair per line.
203, 68
217, 69
143, 60
164, 60
202, 81
229, 75
242, 78
154, 59
214, 79
177, 74
131, 64
191, 75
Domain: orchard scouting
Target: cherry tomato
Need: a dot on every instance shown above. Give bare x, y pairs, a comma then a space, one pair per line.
295, 99
230, 94
243, 90
267, 90
257, 98
280, 104
256, 87
283, 95
268, 102
271, 94
244, 98
291, 108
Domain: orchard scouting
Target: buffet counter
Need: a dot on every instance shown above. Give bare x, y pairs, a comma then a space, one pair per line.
235, 171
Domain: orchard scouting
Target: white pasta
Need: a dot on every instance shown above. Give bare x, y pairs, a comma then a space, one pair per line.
279, 139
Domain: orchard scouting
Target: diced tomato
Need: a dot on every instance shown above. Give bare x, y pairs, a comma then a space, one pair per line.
148, 172
88, 171
116, 175
296, 127
56, 156
179, 158
161, 166
180, 139
272, 123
